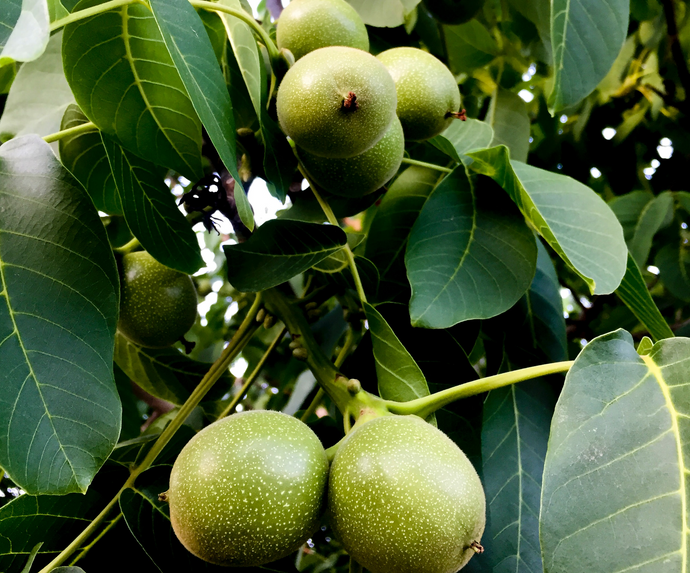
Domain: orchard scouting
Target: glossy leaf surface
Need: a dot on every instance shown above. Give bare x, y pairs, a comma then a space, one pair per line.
59, 402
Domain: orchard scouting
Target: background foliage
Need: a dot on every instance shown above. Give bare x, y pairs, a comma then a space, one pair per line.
555, 230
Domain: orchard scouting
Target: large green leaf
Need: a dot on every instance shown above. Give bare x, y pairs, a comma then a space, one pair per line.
634, 293
39, 95
191, 50
28, 33
11, 10
279, 250
150, 210
125, 81
616, 475
470, 254
509, 120
390, 228
384, 13
246, 52
399, 377
54, 520
586, 36
58, 311
641, 215
574, 220
469, 46
165, 373
463, 136
515, 433
85, 157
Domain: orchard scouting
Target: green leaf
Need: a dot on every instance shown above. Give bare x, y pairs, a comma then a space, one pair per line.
12, 9
392, 223
616, 461
57, 328
510, 123
469, 46
673, 262
515, 433
634, 293
246, 52
130, 453
280, 163
29, 33
384, 13
641, 215
125, 81
32, 556
539, 13
279, 250
191, 50
165, 373
463, 136
586, 36
54, 520
38, 97
56, 10
573, 220
470, 254
84, 156
150, 210
399, 376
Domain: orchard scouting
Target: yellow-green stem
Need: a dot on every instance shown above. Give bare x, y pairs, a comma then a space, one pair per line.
425, 164
246, 18
425, 406
88, 12
105, 530
76, 130
250, 379
330, 217
128, 247
235, 346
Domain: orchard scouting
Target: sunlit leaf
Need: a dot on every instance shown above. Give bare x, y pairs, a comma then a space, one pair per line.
463, 136
28, 31
384, 13
616, 465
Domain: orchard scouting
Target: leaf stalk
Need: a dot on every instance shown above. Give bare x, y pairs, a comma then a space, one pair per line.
76, 130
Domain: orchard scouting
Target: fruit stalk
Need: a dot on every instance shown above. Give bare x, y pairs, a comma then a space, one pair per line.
247, 19
234, 347
427, 405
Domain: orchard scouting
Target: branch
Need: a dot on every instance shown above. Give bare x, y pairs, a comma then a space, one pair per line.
676, 50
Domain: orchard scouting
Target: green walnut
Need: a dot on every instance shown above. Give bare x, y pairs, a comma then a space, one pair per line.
336, 102
157, 303
404, 498
307, 25
365, 173
428, 95
248, 489
454, 11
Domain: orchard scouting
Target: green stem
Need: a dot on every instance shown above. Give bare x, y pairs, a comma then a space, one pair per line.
76, 130
250, 379
128, 247
425, 406
246, 18
107, 528
235, 346
88, 12
354, 566
342, 355
330, 216
427, 165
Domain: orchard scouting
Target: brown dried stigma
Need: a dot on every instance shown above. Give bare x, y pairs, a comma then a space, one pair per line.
350, 102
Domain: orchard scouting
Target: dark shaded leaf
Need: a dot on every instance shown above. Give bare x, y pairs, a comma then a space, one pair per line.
57, 330
279, 250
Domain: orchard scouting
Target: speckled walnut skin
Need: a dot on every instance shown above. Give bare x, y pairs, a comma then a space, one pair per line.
404, 498
248, 489
311, 96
